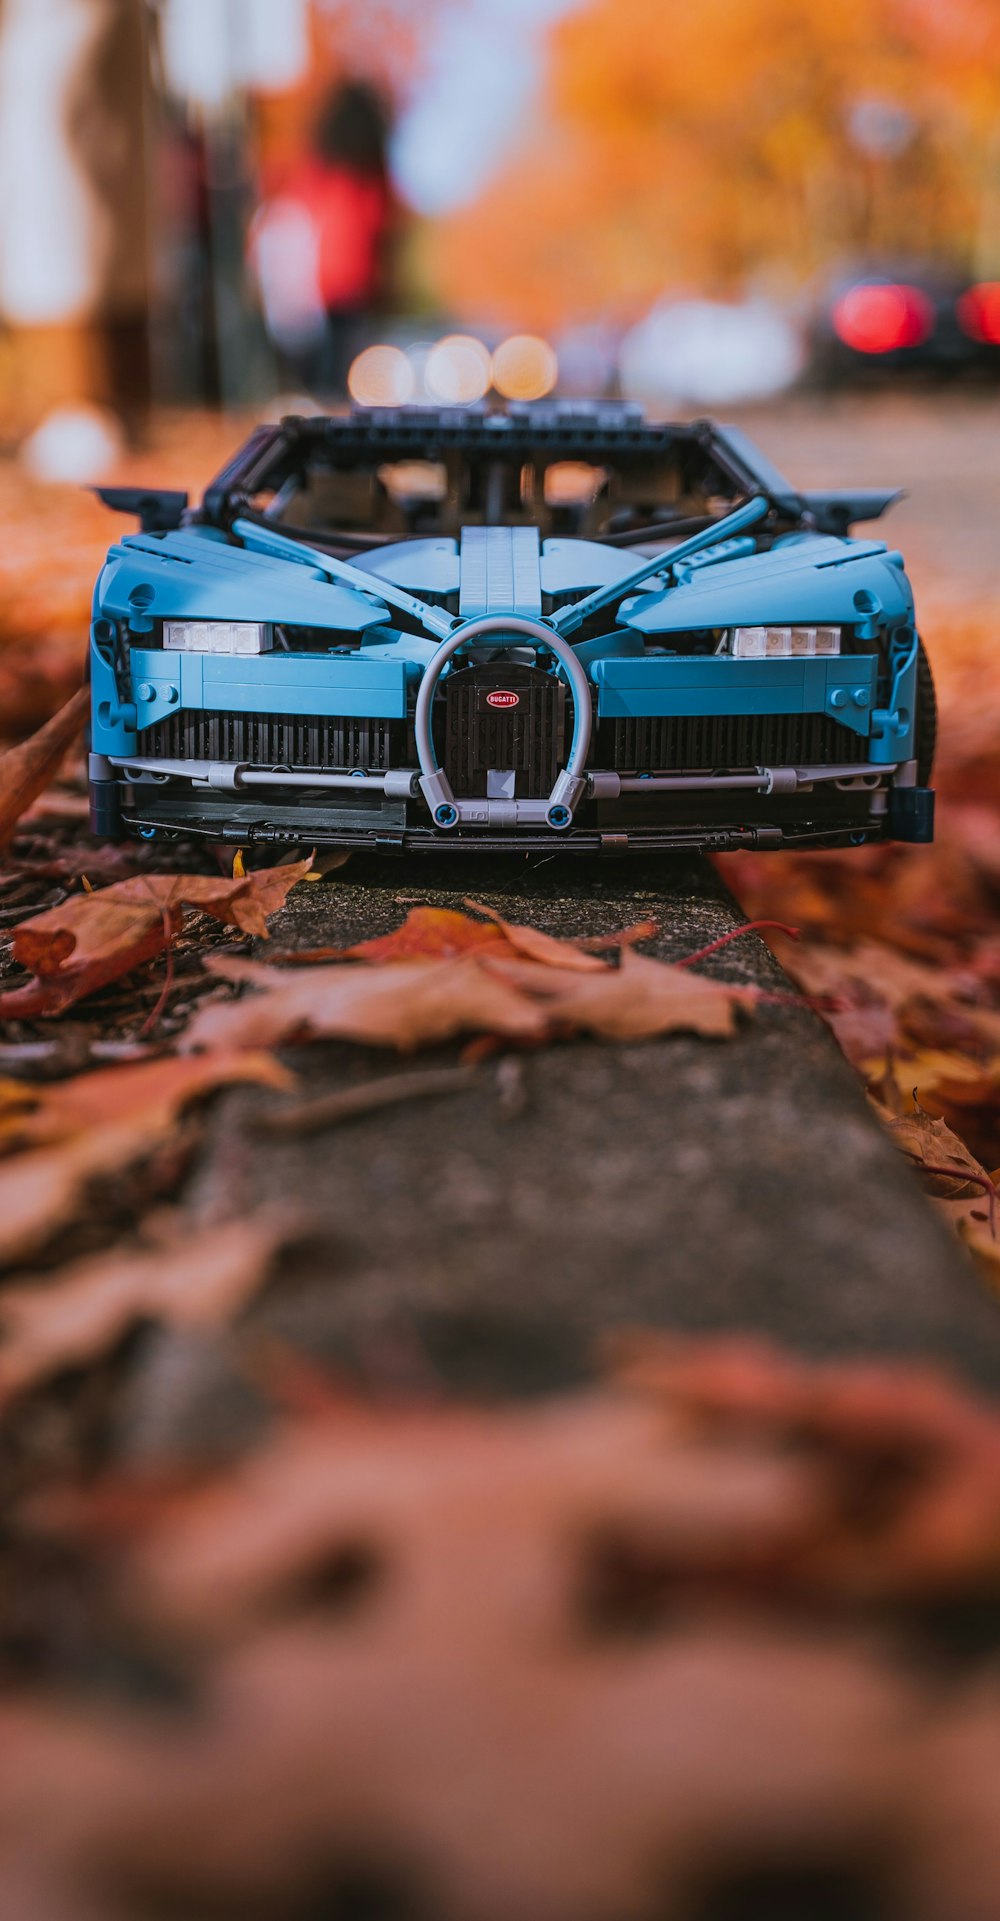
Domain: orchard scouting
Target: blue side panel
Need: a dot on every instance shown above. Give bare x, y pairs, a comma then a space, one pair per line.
806, 578
196, 577
844, 688
112, 722
164, 683
893, 727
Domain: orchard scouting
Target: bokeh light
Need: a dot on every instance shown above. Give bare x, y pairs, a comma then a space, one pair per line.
878, 317
979, 313
381, 377
524, 367
458, 370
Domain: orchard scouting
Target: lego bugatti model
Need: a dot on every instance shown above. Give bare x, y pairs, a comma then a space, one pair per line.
548, 626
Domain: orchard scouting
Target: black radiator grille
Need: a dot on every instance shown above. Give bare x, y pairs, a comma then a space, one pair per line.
272, 740
699, 742
525, 736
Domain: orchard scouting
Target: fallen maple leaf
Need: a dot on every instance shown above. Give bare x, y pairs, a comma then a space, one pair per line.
93, 938
27, 768
185, 1279
250, 1545
551, 1661
412, 1004
96, 1124
442, 933
497, 1772
637, 999
950, 1172
965, 1193
428, 933
535, 945
911, 1460
418, 1003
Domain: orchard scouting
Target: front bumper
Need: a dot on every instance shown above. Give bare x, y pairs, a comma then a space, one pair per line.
771, 807
665, 752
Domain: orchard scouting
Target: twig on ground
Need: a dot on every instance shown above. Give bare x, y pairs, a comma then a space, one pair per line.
736, 933
330, 1110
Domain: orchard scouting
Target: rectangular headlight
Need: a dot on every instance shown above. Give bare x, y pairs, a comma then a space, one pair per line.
784, 643
218, 636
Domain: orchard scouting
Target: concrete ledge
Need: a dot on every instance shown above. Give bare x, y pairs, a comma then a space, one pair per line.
682, 1182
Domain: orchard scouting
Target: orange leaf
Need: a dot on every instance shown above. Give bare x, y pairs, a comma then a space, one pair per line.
82, 1311
95, 938
428, 933
26, 769
412, 1004
639, 998
98, 1124
536, 946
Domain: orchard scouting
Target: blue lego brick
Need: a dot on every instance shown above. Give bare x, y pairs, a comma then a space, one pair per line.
894, 727
195, 574
844, 687
805, 579
500, 572
276, 683
112, 722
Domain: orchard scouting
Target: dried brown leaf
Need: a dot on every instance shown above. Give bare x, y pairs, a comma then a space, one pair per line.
637, 999
414, 1003
912, 1461
500, 1615
26, 769
537, 946
93, 938
96, 1124
187, 1279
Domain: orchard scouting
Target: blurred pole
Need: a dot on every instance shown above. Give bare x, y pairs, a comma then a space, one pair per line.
219, 57
74, 189
985, 262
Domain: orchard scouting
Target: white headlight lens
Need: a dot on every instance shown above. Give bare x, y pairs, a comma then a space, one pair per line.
784, 643
218, 636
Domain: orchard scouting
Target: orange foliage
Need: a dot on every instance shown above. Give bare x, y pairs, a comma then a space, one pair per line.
701, 144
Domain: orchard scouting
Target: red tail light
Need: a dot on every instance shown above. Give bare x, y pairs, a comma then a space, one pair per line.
878, 317
979, 312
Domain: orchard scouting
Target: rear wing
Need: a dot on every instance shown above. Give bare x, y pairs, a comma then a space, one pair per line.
830, 510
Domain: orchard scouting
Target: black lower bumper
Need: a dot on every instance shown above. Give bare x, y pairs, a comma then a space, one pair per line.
695, 821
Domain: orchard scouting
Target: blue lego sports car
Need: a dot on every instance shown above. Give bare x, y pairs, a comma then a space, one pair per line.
549, 626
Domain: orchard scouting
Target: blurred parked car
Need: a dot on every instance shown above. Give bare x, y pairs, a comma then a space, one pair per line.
709, 353
912, 317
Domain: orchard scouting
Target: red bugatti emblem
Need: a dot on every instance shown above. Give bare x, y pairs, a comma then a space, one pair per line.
503, 697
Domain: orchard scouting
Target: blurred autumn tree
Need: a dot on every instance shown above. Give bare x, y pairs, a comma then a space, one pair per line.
706, 144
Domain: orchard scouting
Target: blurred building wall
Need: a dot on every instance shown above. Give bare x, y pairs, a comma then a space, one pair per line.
74, 193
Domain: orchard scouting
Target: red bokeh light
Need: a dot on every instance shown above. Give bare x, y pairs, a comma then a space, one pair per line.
876, 318
978, 312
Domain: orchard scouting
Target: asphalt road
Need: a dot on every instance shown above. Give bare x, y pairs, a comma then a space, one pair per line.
942, 446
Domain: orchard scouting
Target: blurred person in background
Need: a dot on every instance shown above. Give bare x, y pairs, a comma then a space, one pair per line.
320, 241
